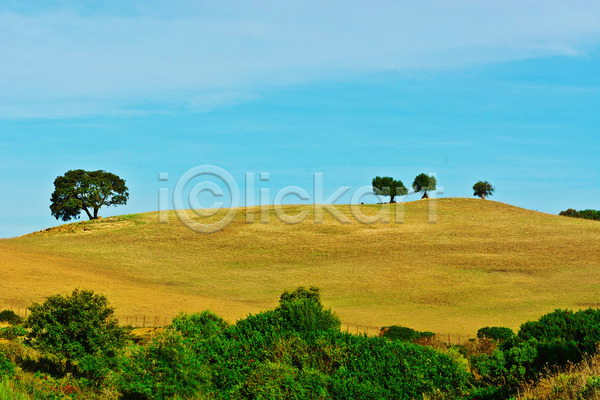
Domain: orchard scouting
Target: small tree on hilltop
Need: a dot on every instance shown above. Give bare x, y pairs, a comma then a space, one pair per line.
79, 190
388, 186
424, 183
482, 189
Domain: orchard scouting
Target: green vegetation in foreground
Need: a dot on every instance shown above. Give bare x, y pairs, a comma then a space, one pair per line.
295, 350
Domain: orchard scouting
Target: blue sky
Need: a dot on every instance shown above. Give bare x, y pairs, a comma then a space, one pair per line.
507, 92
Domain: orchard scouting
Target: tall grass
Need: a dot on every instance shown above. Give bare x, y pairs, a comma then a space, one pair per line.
579, 381
8, 391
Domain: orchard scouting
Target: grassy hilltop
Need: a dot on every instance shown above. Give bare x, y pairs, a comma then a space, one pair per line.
483, 263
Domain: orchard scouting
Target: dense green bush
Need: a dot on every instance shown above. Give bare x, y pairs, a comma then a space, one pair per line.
590, 214
581, 327
497, 333
555, 340
10, 317
12, 332
403, 333
301, 293
377, 368
281, 381
7, 367
199, 326
165, 367
298, 351
76, 326
307, 317
586, 214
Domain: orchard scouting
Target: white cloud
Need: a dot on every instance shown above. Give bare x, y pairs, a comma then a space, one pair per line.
232, 49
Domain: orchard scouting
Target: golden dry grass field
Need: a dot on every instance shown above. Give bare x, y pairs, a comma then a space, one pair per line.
483, 263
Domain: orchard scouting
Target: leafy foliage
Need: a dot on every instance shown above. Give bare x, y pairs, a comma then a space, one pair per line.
482, 189
7, 367
585, 214
403, 333
581, 327
555, 340
298, 351
424, 183
10, 317
79, 190
162, 369
76, 326
497, 333
12, 332
199, 326
388, 186
301, 293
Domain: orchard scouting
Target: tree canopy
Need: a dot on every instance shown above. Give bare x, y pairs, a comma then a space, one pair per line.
79, 190
388, 186
482, 189
424, 183
75, 326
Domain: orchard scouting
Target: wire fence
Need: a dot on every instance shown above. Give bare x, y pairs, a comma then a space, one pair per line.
155, 321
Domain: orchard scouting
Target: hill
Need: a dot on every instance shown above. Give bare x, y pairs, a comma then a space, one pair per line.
483, 263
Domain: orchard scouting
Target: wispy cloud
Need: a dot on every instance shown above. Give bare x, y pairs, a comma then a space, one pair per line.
78, 58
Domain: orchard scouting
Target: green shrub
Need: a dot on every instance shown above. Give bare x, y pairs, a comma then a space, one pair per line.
10, 317
403, 333
7, 367
379, 368
301, 293
12, 332
76, 326
581, 327
199, 326
307, 317
163, 368
497, 333
280, 381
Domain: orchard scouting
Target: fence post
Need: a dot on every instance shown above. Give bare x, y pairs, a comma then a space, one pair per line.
144, 325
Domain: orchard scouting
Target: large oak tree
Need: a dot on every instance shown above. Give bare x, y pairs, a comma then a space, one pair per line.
482, 189
79, 190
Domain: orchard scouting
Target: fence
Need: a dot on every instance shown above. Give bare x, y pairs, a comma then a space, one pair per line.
153, 321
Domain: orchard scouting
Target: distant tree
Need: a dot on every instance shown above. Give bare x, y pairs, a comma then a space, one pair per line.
571, 212
79, 190
482, 189
388, 186
423, 183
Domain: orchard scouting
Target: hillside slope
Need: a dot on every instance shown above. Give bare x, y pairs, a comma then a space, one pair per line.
483, 263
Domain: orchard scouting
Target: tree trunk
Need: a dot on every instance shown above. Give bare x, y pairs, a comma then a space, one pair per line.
88, 213
392, 199
95, 213
483, 197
